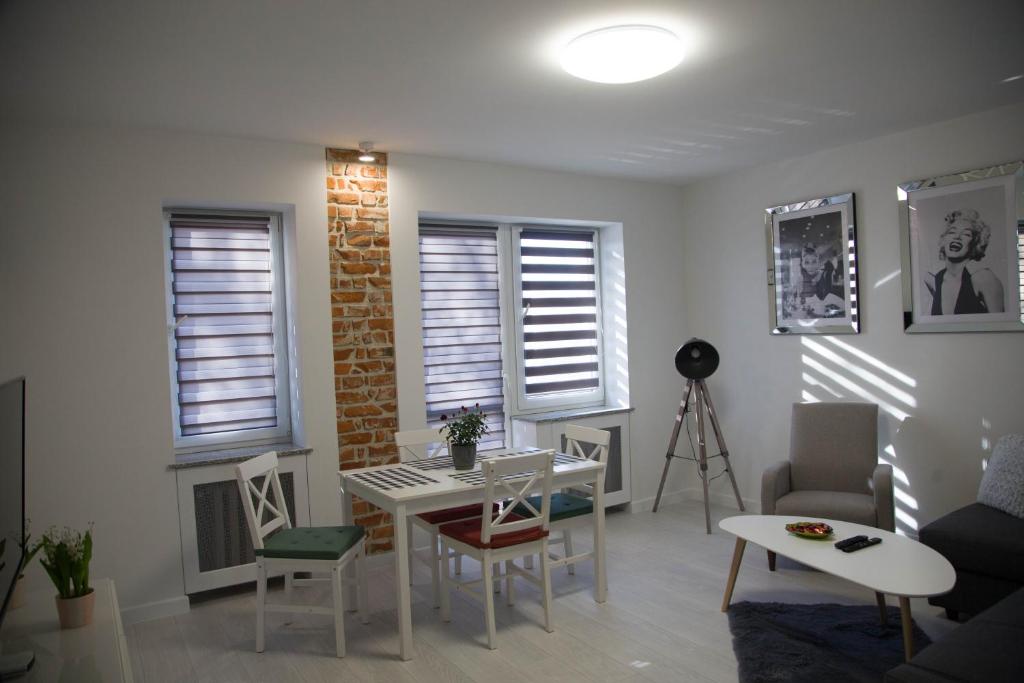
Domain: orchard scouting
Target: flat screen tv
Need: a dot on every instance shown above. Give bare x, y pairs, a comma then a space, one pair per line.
12, 509
12, 486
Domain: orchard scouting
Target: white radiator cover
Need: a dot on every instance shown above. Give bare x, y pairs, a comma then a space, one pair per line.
216, 547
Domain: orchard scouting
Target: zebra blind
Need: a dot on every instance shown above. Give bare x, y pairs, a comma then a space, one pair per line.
559, 303
462, 326
227, 315
1020, 266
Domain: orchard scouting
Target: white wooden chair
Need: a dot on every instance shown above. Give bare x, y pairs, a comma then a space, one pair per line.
281, 548
416, 444
574, 507
503, 537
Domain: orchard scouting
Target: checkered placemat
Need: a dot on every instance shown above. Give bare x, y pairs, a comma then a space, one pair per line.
476, 477
391, 479
444, 462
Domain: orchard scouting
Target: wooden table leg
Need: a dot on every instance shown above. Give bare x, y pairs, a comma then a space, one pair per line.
883, 617
401, 541
908, 628
737, 557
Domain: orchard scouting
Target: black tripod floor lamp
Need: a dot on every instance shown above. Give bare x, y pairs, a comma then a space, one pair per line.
696, 360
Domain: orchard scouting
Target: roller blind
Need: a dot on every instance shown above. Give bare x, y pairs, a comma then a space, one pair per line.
459, 288
228, 327
559, 300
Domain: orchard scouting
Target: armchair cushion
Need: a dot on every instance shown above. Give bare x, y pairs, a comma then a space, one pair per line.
858, 508
833, 446
774, 485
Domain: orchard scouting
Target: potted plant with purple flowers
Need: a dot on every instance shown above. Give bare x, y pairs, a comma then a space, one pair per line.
463, 432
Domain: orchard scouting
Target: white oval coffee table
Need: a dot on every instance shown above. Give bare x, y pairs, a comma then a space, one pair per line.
897, 566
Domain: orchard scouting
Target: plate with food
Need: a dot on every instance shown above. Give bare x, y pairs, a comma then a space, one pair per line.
815, 530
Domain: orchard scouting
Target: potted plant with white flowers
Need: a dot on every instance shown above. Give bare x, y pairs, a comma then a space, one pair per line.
463, 432
66, 557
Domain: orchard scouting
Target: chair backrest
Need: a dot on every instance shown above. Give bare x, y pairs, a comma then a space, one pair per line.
833, 446
515, 478
590, 443
408, 440
256, 499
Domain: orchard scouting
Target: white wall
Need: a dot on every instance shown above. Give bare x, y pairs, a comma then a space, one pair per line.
964, 390
650, 215
83, 317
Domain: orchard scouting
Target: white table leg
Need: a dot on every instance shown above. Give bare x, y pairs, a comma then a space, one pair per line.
402, 578
600, 572
350, 597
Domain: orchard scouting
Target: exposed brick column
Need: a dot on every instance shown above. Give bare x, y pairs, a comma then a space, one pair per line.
362, 323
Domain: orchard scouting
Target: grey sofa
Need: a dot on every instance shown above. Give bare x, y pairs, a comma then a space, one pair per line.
987, 649
986, 548
833, 470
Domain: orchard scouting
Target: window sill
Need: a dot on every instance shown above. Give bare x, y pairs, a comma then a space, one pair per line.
232, 455
561, 415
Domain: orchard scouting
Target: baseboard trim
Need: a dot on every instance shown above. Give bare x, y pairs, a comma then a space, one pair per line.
647, 504
723, 499
171, 607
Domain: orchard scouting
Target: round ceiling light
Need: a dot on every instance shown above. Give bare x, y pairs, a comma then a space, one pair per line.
622, 54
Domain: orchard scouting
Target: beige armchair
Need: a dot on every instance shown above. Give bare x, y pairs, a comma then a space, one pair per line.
833, 470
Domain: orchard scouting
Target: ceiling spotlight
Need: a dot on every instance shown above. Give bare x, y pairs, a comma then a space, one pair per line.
366, 152
623, 54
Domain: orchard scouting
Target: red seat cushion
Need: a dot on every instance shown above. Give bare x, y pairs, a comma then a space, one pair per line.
468, 531
453, 514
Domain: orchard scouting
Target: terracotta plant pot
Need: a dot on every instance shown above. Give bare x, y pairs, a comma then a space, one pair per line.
463, 456
18, 596
76, 612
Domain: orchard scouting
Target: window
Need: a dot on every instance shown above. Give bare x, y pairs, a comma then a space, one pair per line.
460, 298
229, 363
556, 288
511, 319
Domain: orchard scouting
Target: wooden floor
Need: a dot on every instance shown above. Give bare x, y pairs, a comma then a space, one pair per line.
661, 622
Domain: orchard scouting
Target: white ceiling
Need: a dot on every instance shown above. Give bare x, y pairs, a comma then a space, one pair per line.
477, 79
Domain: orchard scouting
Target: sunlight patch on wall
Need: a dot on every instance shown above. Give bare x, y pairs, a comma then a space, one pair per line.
840, 371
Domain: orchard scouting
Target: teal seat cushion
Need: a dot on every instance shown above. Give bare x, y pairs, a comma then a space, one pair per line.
311, 543
563, 506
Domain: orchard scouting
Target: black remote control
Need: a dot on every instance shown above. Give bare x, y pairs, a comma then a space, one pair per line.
861, 544
850, 541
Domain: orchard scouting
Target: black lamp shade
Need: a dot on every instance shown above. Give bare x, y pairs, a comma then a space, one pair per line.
696, 359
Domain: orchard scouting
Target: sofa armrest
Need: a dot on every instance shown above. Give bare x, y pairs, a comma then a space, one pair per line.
885, 510
774, 485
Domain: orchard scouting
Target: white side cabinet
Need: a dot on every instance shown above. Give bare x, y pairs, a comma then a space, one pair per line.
96, 653
547, 430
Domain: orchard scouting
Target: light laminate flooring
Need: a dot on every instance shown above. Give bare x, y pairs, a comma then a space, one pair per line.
661, 622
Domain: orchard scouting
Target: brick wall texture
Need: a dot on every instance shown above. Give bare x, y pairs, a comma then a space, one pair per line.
362, 323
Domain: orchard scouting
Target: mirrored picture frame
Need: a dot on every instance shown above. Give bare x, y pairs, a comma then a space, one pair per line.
812, 266
962, 251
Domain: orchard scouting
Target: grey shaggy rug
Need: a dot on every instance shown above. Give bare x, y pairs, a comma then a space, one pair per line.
777, 642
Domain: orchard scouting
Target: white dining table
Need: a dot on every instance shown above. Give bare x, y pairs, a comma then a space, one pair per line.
412, 488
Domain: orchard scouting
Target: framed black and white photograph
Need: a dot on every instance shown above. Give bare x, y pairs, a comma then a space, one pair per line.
812, 267
962, 237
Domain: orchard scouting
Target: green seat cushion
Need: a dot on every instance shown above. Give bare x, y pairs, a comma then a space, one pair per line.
563, 506
311, 543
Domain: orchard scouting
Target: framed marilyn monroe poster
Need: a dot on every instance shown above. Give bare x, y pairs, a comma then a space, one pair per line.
962, 237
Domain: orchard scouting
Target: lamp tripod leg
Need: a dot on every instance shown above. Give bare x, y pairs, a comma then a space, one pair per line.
703, 455
680, 417
713, 418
